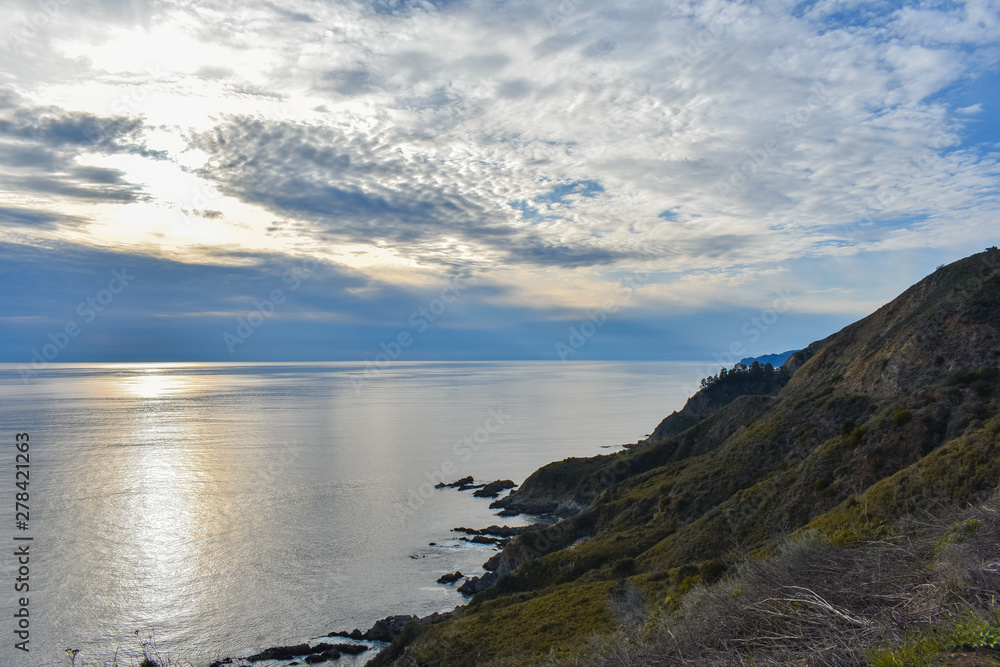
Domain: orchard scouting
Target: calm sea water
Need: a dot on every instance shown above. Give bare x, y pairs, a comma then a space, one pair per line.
226, 508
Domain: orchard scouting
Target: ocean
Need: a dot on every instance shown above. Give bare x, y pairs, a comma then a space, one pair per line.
219, 509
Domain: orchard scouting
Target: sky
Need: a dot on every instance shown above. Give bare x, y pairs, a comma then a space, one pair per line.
397, 181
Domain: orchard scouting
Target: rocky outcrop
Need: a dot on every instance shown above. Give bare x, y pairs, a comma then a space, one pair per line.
450, 578
384, 630
493, 489
351, 649
388, 628
482, 539
796, 360
321, 652
493, 563
333, 652
540, 497
281, 652
498, 566
490, 490
460, 484
495, 531
475, 585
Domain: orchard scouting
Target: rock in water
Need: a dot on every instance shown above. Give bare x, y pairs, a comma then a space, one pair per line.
493, 489
351, 649
325, 656
281, 652
481, 539
495, 531
465, 481
450, 578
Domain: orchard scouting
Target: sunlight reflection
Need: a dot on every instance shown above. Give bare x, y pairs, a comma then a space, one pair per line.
162, 469
151, 383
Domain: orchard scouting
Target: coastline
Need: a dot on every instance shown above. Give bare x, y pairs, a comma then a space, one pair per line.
384, 631
345, 539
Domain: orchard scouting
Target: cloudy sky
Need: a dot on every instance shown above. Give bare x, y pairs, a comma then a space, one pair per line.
528, 179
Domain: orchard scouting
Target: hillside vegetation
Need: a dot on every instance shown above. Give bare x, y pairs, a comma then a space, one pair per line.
827, 461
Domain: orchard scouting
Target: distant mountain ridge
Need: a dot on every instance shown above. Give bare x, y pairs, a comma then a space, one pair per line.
896, 414
773, 359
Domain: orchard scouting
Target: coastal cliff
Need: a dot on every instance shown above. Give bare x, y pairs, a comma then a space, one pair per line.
893, 416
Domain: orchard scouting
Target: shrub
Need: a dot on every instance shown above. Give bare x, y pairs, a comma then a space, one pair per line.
888, 603
624, 568
712, 570
922, 648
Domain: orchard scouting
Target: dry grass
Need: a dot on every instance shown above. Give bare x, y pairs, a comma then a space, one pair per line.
901, 601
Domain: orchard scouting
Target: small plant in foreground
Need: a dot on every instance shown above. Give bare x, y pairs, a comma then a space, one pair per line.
148, 656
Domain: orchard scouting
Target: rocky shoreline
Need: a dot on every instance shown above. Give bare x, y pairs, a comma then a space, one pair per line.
389, 628
384, 630
490, 490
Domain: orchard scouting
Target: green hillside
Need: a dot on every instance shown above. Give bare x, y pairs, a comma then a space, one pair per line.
894, 416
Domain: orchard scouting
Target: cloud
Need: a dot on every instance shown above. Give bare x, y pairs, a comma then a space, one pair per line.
8, 98
356, 189
975, 22
35, 218
40, 148
971, 109
544, 254
346, 81
300, 17
56, 128
541, 143
375, 189
172, 311
214, 72
87, 183
457, 136
812, 116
